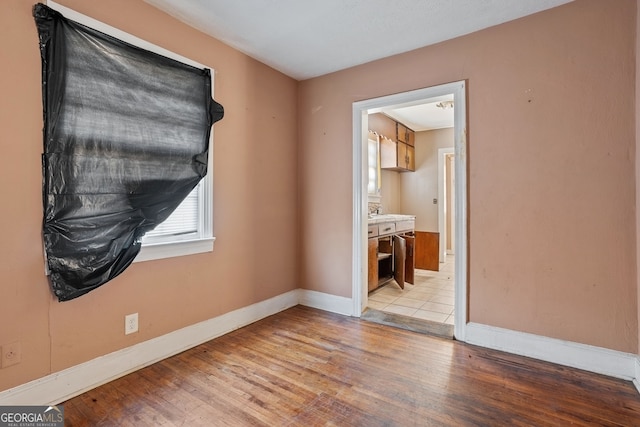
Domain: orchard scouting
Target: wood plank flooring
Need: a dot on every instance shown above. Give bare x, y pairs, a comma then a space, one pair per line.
306, 367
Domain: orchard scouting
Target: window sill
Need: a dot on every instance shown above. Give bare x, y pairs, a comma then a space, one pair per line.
150, 252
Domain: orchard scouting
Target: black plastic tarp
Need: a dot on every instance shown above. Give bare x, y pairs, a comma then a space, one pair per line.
126, 139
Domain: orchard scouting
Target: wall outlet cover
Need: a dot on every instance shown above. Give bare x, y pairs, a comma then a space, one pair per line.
131, 323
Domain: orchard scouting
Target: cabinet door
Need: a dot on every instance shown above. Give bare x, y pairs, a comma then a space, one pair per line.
402, 133
402, 155
411, 158
373, 264
388, 154
399, 257
409, 263
412, 138
426, 253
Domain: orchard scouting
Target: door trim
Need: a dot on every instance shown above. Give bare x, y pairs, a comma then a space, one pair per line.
359, 243
442, 152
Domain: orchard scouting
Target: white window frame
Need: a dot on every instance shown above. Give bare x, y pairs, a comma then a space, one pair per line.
173, 246
374, 196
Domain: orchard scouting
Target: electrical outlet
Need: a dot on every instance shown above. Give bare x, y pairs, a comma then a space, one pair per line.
11, 354
130, 323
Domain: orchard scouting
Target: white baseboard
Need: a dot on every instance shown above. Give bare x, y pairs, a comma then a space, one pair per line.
636, 380
589, 358
327, 302
60, 386
63, 385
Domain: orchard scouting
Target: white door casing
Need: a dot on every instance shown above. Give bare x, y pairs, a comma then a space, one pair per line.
360, 167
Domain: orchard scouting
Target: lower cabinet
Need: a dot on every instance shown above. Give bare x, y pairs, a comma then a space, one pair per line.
373, 264
410, 260
427, 250
391, 258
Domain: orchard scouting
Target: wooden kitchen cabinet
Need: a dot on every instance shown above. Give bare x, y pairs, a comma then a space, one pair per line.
391, 254
427, 250
373, 264
397, 143
399, 258
406, 157
388, 154
397, 156
410, 260
404, 259
411, 158
402, 133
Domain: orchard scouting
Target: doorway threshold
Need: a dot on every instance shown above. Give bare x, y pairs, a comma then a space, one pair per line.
409, 323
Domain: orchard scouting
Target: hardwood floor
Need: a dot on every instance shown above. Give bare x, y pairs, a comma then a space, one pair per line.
306, 367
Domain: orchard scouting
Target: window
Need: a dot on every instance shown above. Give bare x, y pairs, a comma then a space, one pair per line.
127, 135
373, 186
189, 230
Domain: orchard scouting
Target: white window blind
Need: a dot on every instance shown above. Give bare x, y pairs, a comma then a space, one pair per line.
182, 223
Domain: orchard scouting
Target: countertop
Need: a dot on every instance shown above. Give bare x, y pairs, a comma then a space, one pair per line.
379, 219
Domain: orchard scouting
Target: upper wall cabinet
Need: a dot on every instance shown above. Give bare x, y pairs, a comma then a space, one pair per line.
397, 143
397, 156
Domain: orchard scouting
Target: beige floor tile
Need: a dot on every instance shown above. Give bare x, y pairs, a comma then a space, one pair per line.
409, 302
443, 299
420, 294
440, 283
431, 297
430, 315
437, 307
400, 309
377, 305
429, 287
445, 293
382, 298
390, 291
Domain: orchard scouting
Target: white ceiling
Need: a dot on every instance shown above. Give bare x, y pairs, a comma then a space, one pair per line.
427, 116
309, 38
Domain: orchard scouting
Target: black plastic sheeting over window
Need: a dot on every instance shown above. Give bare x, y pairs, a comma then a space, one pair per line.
126, 139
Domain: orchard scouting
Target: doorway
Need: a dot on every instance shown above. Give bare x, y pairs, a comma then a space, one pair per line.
361, 110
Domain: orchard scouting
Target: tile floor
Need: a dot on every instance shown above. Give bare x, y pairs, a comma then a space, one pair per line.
430, 298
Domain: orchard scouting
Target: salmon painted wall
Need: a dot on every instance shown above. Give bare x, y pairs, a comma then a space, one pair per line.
637, 121
255, 211
418, 189
551, 155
